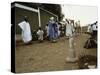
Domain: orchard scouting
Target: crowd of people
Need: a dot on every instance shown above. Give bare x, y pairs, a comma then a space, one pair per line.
53, 30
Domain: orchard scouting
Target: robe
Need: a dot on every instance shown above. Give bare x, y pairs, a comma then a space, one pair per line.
53, 31
26, 31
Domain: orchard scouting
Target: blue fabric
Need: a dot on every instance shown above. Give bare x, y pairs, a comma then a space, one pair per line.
53, 31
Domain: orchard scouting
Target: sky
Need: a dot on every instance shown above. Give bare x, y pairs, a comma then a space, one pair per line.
86, 14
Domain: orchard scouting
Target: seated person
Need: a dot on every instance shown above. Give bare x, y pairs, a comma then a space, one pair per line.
40, 34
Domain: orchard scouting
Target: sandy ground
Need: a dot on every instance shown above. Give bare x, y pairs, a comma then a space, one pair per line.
49, 56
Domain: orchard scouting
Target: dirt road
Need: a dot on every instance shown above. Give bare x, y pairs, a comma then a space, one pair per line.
49, 56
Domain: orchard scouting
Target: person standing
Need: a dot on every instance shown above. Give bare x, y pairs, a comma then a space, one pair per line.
94, 29
59, 31
70, 32
47, 31
26, 30
52, 30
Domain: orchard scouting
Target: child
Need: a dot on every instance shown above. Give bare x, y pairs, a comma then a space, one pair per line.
40, 34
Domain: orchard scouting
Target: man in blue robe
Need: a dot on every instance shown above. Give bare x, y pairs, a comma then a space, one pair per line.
52, 29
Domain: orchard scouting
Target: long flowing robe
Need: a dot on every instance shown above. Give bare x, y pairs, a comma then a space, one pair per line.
52, 29
26, 31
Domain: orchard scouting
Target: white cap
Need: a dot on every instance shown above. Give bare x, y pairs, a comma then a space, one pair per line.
51, 18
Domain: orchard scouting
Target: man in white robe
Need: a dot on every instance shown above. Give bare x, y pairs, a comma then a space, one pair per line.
26, 31
70, 32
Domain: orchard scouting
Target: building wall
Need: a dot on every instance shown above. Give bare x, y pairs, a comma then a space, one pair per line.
32, 18
45, 16
84, 28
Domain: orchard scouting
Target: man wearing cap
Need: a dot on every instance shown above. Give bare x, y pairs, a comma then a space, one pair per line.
26, 30
52, 29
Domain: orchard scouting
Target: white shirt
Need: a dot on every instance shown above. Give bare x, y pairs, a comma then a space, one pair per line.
47, 30
94, 27
26, 31
40, 34
69, 30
